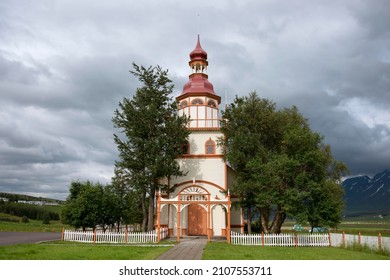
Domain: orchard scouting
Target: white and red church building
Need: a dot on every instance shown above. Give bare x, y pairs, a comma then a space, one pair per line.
200, 203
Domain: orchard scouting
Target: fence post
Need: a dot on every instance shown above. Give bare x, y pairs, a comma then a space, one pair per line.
94, 236
330, 240
63, 234
262, 238
343, 239
296, 240
126, 235
380, 242
359, 239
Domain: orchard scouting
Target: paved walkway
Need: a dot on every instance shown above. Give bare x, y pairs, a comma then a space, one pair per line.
10, 238
187, 249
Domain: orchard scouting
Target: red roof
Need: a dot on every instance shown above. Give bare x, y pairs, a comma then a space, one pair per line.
198, 83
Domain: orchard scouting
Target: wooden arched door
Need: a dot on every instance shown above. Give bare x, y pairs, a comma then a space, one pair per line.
197, 220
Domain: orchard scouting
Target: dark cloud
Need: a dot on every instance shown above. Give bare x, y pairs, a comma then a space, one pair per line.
64, 68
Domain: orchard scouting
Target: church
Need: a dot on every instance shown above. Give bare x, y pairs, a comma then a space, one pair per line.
200, 203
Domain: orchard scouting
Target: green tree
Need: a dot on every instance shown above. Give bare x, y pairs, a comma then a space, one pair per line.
152, 137
325, 204
251, 132
127, 201
280, 163
85, 206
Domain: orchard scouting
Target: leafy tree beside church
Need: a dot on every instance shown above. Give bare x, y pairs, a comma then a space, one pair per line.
281, 166
151, 138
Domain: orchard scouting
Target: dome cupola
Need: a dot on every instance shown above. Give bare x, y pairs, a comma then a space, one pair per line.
198, 100
198, 53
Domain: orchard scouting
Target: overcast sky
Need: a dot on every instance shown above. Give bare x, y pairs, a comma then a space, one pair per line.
64, 68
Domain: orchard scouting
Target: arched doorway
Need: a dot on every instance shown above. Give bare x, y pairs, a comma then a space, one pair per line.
197, 220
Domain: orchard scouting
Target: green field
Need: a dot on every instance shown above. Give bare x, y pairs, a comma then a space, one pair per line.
213, 251
224, 251
32, 225
71, 251
364, 225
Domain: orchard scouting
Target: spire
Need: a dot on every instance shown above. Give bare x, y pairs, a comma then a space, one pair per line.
198, 53
198, 83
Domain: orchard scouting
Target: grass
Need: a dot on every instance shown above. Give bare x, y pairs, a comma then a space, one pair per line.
60, 250
72, 251
213, 251
365, 228
224, 251
364, 225
53, 208
31, 226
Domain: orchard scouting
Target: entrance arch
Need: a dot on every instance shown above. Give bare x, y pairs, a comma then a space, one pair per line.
200, 204
197, 220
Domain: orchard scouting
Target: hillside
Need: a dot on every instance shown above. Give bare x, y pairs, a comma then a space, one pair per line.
368, 196
12, 197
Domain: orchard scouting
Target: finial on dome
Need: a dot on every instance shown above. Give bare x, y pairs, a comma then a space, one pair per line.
198, 24
198, 52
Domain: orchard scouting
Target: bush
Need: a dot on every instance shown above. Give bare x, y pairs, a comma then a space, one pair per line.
8, 219
25, 219
46, 220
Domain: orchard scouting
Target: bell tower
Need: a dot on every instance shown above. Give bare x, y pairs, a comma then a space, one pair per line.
198, 101
199, 202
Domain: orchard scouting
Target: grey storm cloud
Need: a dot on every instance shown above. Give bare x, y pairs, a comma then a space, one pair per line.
64, 69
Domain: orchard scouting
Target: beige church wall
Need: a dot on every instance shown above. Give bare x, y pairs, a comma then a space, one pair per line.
210, 169
198, 139
236, 218
230, 177
218, 220
173, 219
164, 216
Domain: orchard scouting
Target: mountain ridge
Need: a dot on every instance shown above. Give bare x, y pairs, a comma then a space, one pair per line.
367, 196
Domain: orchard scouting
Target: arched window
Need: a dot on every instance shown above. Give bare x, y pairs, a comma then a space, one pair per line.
211, 103
186, 148
197, 101
183, 104
210, 147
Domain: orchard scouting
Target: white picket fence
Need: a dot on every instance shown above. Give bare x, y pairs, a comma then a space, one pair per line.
280, 239
374, 242
114, 237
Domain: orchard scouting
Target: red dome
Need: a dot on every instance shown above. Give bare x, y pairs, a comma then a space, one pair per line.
198, 52
198, 83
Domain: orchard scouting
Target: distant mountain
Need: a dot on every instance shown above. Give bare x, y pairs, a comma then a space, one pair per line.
367, 196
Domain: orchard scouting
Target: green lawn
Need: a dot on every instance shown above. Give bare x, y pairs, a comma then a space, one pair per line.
71, 251
32, 226
224, 251
364, 225
213, 251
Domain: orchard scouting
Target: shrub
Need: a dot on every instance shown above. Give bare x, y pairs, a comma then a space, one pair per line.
25, 219
46, 219
8, 219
